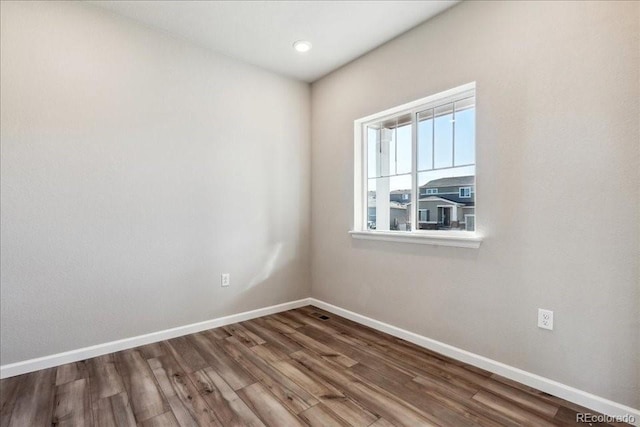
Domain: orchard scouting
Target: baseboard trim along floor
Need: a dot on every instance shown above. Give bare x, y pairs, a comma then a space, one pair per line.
44, 362
546, 385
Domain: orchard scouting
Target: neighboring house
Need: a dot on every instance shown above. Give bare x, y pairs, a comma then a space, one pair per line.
398, 214
447, 203
400, 196
443, 204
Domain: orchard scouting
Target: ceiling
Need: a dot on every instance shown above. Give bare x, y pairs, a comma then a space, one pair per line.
262, 32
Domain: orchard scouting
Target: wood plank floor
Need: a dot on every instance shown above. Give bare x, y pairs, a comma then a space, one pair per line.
297, 368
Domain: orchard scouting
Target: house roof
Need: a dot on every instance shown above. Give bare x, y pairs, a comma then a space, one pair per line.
469, 203
453, 181
439, 199
392, 205
454, 199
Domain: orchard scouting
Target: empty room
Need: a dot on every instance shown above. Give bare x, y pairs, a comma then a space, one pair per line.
319, 213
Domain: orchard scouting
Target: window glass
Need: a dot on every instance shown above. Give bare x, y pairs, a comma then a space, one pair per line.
465, 126
403, 144
444, 175
388, 206
425, 140
443, 137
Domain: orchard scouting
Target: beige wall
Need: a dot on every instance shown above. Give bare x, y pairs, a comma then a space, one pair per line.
557, 112
127, 160
127, 157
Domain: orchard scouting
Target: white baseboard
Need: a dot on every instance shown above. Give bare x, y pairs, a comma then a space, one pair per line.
546, 385
18, 368
555, 388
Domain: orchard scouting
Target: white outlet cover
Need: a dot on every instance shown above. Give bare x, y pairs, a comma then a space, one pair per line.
225, 280
545, 319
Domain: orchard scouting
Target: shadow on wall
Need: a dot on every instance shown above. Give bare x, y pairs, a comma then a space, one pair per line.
271, 286
269, 266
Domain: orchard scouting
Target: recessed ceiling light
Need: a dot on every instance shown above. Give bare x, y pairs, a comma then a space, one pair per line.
302, 46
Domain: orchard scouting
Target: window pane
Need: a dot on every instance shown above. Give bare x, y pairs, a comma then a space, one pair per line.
385, 150
443, 136
444, 158
389, 167
389, 147
388, 203
425, 140
371, 204
439, 197
400, 202
403, 141
372, 149
465, 122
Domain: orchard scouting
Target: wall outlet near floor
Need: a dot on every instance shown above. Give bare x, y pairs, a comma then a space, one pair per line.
225, 280
545, 319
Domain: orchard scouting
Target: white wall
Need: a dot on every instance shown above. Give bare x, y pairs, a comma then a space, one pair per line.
558, 114
136, 168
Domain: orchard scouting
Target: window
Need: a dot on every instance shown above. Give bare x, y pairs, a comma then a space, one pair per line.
423, 215
419, 150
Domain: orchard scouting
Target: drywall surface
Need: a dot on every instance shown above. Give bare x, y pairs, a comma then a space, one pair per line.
136, 168
558, 155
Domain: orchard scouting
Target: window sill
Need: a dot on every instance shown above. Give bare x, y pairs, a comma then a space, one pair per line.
460, 239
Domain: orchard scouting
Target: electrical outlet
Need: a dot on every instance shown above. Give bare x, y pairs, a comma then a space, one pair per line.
225, 280
545, 319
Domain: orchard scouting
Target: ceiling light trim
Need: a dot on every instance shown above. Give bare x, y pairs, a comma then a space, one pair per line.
302, 46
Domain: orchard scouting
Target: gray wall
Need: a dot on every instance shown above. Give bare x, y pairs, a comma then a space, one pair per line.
557, 124
127, 160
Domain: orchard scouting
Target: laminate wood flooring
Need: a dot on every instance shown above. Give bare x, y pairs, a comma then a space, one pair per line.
297, 368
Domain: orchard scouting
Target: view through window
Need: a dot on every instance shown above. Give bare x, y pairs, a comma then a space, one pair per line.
420, 167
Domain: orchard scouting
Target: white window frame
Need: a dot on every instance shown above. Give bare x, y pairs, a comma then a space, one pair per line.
457, 238
461, 189
431, 191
